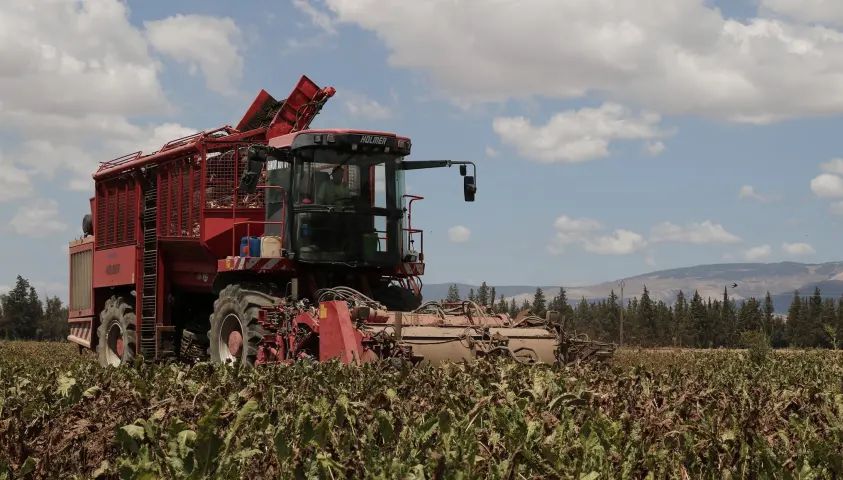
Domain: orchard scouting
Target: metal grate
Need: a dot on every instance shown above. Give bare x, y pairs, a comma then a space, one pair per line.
178, 198
116, 211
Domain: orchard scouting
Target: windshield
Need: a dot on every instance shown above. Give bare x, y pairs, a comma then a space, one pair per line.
328, 177
360, 223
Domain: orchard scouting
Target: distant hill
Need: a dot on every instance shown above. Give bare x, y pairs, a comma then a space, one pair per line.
753, 279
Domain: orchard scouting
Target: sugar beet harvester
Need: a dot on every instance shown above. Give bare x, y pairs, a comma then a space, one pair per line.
269, 242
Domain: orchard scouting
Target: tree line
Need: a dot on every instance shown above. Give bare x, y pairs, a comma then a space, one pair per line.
812, 321
24, 316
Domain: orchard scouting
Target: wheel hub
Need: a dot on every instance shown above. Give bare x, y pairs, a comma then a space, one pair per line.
230, 340
114, 352
235, 342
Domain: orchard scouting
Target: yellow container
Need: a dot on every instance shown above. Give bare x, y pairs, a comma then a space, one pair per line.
271, 246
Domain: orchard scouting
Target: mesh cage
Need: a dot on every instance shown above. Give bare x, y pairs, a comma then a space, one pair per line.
223, 170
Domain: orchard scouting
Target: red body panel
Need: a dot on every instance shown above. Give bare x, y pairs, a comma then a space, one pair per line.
115, 266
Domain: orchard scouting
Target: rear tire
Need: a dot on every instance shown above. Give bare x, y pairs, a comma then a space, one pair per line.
235, 332
398, 298
116, 334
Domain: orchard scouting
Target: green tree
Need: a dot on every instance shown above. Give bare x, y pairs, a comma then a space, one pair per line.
22, 311
54, 324
646, 319
701, 334
472, 297
502, 306
453, 294
483, 294
492, 296
539, 307
769, 310
681, 331
795, 329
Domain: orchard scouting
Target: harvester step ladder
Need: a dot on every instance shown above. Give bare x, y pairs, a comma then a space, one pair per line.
149, 292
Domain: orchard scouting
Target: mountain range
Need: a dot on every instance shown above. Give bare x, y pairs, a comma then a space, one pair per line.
752, 279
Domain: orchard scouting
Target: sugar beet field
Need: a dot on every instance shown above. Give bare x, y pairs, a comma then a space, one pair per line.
656, 414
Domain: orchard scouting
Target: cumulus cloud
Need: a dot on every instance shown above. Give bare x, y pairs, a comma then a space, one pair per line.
205, 43
38, 219
491, 152
836, 208
655, 148
585, 232
828, 12
14, 182
620, 242
756, 69
827, 185
459, 234
833, 166
758, 253
361, 106
80, 73
576, 135
798, 248
748, 192
317, 16
697, 233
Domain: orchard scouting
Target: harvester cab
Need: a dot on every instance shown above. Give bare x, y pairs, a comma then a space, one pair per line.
271, 242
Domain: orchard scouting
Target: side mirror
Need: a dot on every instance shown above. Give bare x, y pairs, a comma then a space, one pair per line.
463, 170
469, 188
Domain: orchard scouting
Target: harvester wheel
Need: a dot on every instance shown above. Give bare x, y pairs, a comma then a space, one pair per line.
235, 331
116, 333
398, 298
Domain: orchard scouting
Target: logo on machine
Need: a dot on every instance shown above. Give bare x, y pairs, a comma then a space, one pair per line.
112, 269
373, 140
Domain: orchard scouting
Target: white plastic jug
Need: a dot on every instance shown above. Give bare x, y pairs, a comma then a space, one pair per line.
271, 246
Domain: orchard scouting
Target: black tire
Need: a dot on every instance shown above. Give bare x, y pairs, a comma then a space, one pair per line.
117, 333
399, 299
236, 309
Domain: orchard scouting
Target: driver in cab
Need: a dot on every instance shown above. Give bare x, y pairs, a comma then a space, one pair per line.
334, 191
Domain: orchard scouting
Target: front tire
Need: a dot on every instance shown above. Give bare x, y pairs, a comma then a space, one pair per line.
235, 332
116, 334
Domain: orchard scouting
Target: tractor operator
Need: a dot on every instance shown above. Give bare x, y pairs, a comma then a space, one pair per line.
335, 191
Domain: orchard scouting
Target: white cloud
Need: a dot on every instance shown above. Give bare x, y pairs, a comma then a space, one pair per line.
79, 73
318, 17
749, 192
359, 105
827, 185
620, 242
836, 208
655, 148
829, 12
798, 248
576, 135
833, 166
77, 58
205, 43
697, 233
758, 253
491, 152
14, 182
459, 234
650, 259
685, 59
585, 233
37, 219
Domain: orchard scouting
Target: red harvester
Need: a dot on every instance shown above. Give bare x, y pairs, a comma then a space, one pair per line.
269, 242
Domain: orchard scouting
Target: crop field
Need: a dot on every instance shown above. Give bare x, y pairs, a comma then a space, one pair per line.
650, 413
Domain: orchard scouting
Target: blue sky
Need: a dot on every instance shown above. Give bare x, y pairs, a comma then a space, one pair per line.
611, 139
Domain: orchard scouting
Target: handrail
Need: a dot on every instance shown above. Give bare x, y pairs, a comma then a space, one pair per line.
119, 160
410, 230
